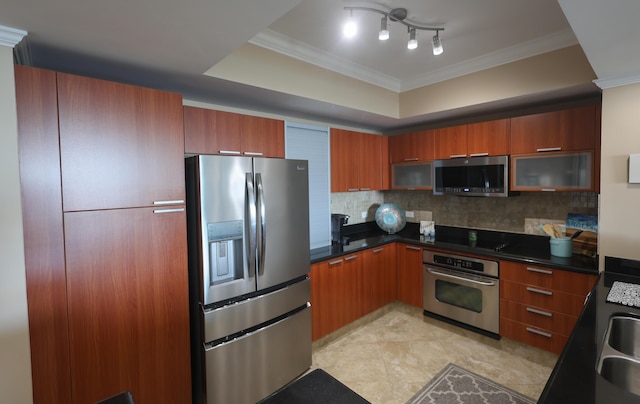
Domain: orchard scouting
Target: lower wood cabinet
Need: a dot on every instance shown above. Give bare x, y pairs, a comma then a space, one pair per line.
409, 274
540, 306
379, 276
128, 308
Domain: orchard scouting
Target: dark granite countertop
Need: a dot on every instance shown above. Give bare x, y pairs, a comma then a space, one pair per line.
516, 247
575, 378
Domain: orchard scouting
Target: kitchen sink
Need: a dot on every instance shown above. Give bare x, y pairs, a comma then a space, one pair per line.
619, 360
624, 335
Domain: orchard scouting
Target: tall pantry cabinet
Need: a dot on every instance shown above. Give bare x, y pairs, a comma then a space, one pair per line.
121, 294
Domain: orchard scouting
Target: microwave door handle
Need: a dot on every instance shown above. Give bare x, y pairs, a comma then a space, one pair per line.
262, 224
250, 223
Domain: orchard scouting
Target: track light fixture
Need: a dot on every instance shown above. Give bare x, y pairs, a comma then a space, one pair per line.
397, 15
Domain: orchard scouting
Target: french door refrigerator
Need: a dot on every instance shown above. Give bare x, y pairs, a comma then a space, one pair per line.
248, 230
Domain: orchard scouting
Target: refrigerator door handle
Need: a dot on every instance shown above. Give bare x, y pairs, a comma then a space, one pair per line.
262, 240
250, 221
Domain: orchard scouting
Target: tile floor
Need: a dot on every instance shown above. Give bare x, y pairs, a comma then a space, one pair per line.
389, 355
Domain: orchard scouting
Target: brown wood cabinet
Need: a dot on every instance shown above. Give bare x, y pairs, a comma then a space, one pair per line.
128, 305
39, 154
411, 147
565, 130
209, 131
540, 306
379, 273
409, 274
106, 281
490, 138
358, 161
121, 145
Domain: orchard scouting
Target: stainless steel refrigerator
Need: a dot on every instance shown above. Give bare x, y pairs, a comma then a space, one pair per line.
248, 224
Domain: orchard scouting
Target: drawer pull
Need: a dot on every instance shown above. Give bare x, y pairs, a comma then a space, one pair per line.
365, 189
548, 149
335, 262
540, 271
251, 153
413, 248
353, 189
457, 156
411, 159
168, 210
540, 291
234, 152
351, 258
378, 250
534, 331
478, 154
536, 311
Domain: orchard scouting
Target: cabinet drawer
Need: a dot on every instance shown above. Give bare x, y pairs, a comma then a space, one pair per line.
554, 300
535, 316
548, 278
538, 337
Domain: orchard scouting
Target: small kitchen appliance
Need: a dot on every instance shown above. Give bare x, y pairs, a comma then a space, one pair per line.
338, 220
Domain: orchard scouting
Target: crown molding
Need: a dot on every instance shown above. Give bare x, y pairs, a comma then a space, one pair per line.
10, 36
288, 46
618, 81
299, 50
524, 50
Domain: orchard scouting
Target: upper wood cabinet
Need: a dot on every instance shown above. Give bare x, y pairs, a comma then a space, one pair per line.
490, 138
218, 132
121, 145
411, 147
358, 161
566, 130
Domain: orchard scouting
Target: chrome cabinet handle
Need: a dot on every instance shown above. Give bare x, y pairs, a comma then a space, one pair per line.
413, 248
461, 278
365, 189
534, 331
378, 250
411, 159
335, 262
250, 153
174, 202
548, 190
457, 156
536, 311
478, 154
540, 291
351, 258
229, 152
548, 149
353, 189
540, 271
168, 210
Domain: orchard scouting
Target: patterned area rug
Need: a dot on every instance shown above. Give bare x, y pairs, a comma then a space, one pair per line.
456, 385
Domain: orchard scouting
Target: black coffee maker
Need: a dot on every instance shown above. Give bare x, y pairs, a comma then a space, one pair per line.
338, 220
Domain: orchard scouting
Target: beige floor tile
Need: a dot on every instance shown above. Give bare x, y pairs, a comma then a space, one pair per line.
392, 354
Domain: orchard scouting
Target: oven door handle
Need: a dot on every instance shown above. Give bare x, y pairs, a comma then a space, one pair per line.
461, 278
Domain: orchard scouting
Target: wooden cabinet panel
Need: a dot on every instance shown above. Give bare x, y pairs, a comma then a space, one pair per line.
319, 299
409, 274
209, 131
548, 278
541, 297
357, 161
544, 319
379, 273
262, 136
128, 305
412, 147
491, 138
450, 142
566, 130
39, 154
543, 339
121, 145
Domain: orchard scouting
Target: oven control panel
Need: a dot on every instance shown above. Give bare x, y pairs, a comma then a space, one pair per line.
453, 261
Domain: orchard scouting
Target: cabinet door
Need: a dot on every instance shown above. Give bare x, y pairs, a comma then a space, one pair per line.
352, 280
208, 131
490, 138
415, 146
128, 305
344, 160
319, 301
39, 154
566, 130
262, 136
370, 169
552, 172
409, 274
379, 277
121, 145
450, 142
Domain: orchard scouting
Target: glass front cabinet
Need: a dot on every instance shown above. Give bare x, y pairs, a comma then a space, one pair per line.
553, 172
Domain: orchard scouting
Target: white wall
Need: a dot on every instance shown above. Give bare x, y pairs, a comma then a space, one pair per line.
619, 220
15, 361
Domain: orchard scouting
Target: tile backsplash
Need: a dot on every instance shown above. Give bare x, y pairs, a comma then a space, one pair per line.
505, 214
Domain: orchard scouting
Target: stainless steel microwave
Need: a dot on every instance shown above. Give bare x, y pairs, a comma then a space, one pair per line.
474, 176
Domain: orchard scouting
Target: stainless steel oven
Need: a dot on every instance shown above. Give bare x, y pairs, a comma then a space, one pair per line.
463, 289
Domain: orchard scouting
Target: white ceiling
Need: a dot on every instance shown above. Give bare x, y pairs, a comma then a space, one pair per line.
170, 44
